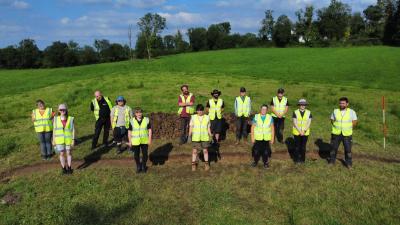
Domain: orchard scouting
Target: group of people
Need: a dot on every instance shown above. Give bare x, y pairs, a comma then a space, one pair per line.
200, 125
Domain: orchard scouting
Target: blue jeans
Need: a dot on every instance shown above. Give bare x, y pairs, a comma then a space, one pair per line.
45, 143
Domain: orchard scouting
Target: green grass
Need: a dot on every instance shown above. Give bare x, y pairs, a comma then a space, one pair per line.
287, 194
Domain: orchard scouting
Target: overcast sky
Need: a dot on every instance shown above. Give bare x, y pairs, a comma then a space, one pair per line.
85, 20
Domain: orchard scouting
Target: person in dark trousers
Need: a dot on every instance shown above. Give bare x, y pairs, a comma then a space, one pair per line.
301, 130
215, 107
121, 115
279, 108
185, 103
343, 120
140, 134
262, 136
101, 107
242, 112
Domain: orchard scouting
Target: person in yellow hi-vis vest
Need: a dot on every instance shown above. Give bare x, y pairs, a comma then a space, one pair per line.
343, 120
242, 112
279, 108
120, 116
42, 118
101, 107
140, 134
301, 130
262, 136
200, 133
185, 103
64, 137
215, 107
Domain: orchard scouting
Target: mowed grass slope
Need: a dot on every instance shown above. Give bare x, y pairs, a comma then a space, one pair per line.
232, 193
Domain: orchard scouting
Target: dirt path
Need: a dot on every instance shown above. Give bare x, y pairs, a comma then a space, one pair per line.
229, 158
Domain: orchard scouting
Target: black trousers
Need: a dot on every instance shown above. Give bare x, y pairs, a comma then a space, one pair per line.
184, 128
100, 124
347, 143
120, 134
241, 127
136, 154
300, 143
279, 125
261, 149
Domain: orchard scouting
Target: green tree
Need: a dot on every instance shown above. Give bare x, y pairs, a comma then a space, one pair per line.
357, 25
390, 23
9, 57
150, 26
305, 27
88, 55
197, 38
169, 42
30, 55
54, 54
267, 26
333, 21
282, 31
217, 35
375, 16
180, 44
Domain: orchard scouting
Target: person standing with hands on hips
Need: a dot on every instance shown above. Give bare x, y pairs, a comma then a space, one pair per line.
185, 103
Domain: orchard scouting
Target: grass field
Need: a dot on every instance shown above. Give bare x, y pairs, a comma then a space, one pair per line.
232, 193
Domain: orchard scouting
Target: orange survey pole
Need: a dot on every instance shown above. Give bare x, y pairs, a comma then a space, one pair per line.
384, 122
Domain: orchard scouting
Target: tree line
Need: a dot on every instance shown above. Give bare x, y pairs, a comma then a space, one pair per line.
334, 25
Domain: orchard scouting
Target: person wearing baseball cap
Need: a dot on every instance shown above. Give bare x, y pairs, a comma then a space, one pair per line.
242, 112
279, 107
120, 116
301, 130
215, 107
64, 137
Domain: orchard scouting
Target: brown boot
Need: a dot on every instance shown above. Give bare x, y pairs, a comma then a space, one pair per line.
206, 166
194, 166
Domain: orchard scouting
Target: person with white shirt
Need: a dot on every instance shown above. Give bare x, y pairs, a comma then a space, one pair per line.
343, 120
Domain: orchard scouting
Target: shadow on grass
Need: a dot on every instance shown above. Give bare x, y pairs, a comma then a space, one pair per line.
83, 139
160, 155
324, 149
92, 214
94, 156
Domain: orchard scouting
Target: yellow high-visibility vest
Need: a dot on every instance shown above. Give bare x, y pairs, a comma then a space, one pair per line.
342, 124
262, 130
127, 116
43, 123
63, 135
97, 107
280, 106
189, 109
301, 122
215, 108
200, 128
139, 133
243, 107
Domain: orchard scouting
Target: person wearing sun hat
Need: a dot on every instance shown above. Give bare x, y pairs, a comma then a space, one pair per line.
120, 116
215, 107
301, 130
64, 137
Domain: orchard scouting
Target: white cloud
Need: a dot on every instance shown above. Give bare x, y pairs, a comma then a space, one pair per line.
65, 20
17, 4
182, 18
122, 3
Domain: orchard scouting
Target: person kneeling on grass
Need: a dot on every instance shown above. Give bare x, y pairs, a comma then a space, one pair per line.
200, 133
64, 136
262, 136
139, 134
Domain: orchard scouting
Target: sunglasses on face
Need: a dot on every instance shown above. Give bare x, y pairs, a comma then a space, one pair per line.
120, 101
62, 110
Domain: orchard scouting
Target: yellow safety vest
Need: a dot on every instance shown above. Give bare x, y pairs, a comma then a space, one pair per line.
139, 133
242, 107
97, 107
63, 135
200, 128
43, 123
279, 106
262, 130
215, 108
342, 124
127, 116
301, 122
189, 109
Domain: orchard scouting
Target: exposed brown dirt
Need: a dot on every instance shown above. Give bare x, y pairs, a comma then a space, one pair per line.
227, 158
11, 198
